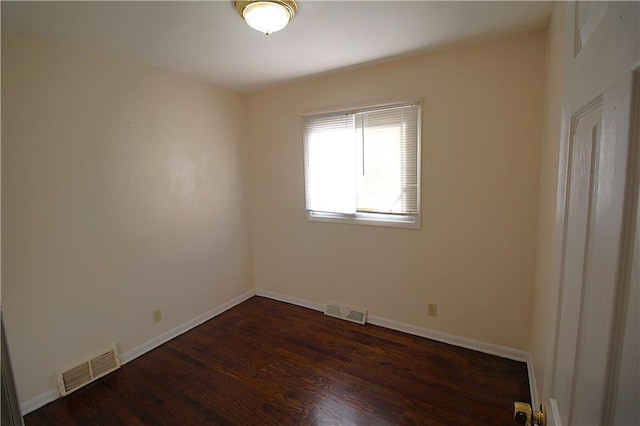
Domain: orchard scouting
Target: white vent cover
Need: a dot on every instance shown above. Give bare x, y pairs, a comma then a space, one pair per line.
88, 370
356, 315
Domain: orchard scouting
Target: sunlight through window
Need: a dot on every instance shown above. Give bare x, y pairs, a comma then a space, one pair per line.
364, 165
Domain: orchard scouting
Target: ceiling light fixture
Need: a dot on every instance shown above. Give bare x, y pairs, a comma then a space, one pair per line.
267, 16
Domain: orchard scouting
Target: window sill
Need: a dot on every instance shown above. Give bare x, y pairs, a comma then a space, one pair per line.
371, 219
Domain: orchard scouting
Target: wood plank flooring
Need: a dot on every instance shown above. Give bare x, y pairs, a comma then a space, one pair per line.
266, 362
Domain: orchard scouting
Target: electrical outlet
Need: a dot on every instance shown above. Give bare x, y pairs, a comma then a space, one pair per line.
157, 316
432, 310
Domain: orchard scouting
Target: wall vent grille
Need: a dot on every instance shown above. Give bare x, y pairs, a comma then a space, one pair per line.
347, 313
88, 370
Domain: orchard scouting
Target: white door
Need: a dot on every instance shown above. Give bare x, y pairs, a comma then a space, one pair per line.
595, 378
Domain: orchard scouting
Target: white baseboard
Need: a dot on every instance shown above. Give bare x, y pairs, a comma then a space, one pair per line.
451, 339
463, 342
183, 328
293, 300
53, 394
39, 401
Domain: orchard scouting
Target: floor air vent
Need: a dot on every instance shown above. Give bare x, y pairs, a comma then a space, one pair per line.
356, 315
85, 372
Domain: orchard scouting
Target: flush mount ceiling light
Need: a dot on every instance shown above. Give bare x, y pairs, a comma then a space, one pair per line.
267, 16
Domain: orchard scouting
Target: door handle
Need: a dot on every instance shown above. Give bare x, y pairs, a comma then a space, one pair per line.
523, 413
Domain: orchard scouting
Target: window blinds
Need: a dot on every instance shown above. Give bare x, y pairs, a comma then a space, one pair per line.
363, 161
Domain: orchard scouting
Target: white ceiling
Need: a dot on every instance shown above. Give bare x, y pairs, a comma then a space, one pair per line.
208, 41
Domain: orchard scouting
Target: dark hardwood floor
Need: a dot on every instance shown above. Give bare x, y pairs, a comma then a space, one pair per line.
271, 363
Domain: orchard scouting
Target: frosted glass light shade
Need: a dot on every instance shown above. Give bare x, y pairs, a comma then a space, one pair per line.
267, 16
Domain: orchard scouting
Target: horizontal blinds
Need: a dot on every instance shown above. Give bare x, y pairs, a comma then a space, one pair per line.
388, 169
363, 161
329, 157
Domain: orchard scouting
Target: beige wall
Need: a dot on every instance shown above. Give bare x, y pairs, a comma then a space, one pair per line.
123, 191
548, 255
475, 253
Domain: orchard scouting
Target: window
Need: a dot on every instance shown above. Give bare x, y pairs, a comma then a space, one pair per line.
363, 166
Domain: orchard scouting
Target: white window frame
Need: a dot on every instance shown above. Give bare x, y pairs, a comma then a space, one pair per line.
411, 221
